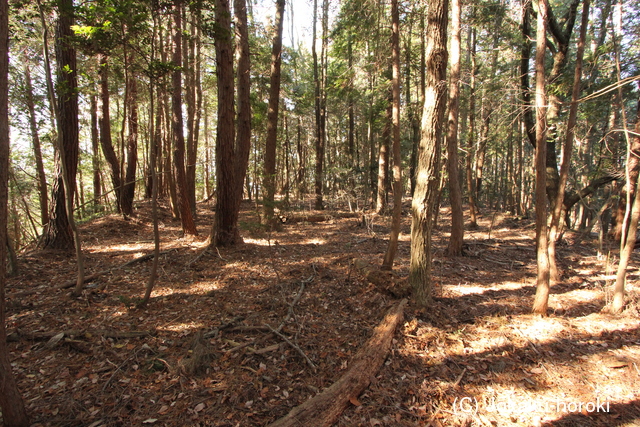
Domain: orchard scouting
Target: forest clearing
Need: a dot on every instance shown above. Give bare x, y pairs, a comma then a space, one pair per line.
201, 352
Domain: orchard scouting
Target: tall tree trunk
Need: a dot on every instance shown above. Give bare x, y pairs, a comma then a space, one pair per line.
58, 233
191, 98
554, 229
128, 189
11, 403
383, 162
541, 300
186, 216
225, 230
319, 77
37, 151
471, 188
428, 169
105, 132
456, 238
269, 179
387, 264
95, 157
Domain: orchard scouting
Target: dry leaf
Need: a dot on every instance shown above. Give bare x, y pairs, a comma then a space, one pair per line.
354, 401
199, 407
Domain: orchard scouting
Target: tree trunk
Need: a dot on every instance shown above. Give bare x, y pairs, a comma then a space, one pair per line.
58, 233
542, 255
554, 230
456, 238
189, 62
186, 216
428, 168
95, 155
269, 178
11, 404
471, 190
225, 230
37, 151
383, 162
387, 264
243, 88
128, 189
105, 132
320, 99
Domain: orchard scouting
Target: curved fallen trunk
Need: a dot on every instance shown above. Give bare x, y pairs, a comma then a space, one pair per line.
325, 408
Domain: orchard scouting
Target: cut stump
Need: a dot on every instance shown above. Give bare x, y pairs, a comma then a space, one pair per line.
325, 408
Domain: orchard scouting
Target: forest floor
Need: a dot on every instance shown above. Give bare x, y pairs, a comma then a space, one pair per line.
201, 353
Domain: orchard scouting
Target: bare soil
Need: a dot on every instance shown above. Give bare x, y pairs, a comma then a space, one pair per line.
202, 352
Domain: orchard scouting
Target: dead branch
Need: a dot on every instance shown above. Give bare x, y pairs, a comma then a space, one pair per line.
297, 348
319, 217
325, 408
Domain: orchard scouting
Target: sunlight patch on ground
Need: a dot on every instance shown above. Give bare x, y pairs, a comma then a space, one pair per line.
468, 289
314, 242
183, 327
259, 242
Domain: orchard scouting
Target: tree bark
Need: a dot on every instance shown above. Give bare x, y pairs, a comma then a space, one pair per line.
471, 188
129, 187
95, 155
225, 230
456, 238
243, 89
387, 263
554, 229
105, 132
542, 255
428, 168
383, 162
184, 207
269, 178
11, 403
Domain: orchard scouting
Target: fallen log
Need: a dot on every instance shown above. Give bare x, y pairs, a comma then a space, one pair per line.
325, 408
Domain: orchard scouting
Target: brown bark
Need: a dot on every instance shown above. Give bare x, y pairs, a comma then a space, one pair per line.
11, 404
105, 132
456, 238
398, 191
225, 230
554, 231
542, 255
319, 77
383, 163
269, 178
58, 233
428, 169
325, 408
189, 62
95, 155
128, 189
471, 191
182, 196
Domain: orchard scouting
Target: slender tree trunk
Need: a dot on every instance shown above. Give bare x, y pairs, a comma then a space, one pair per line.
243, 89
189, 61
471, 190
383, 163
128, 189
455, 196
11, 403
554, 230
186, 216
387, 264
269, 179
428, 169
225, 230
37, 151
95, 157
542, 255
105, 132
320, 112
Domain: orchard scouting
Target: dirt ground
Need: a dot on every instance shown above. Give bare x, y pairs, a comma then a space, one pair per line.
202, 352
